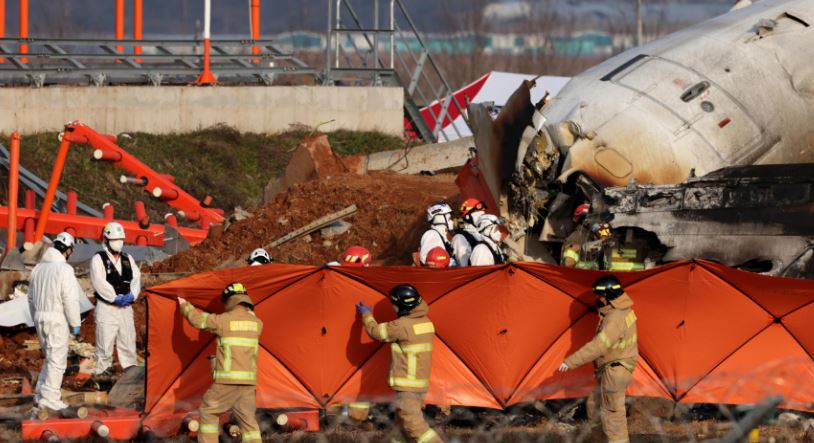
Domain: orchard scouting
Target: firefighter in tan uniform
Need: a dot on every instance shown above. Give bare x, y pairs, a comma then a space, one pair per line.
613, 351
235, 369
410, 338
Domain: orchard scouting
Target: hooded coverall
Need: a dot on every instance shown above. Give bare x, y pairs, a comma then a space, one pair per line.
114, 324
614, 352
53, 299
235, 367
410, 338
486, 253
462, 246
435, 237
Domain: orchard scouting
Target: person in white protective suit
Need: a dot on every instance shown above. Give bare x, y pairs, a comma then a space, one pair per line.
53, 298
259, 257
116, 283
441, 224
487, 252
467, 237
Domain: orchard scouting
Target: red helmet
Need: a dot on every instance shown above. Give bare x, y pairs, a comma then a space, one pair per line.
438, 257
356, 256
581, 211
471, 205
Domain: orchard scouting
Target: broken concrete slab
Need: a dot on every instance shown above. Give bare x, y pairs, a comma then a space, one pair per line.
128, 392
431, 157
339, 227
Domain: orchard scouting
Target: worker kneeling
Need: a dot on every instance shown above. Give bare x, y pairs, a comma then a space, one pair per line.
411, 337
614, 352
235, 370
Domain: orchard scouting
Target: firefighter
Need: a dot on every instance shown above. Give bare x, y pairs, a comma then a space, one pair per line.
572, 245
439, 217
614, 352
356, 256
116, 282
410, 337
259, 257
53, 302
488, 252
235, 368
466, 238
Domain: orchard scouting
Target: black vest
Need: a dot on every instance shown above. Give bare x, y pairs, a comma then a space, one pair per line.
447, 245
120, 282
469, 238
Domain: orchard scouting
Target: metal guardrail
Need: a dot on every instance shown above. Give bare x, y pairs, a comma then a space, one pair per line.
108, 61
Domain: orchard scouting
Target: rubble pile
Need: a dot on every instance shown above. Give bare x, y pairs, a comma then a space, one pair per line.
389, 222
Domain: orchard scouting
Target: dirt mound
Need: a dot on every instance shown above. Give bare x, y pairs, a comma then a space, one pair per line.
389, 222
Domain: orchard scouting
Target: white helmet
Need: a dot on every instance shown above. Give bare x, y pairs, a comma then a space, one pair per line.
259, 257
64, 239
488, 226
114, 231
440, 214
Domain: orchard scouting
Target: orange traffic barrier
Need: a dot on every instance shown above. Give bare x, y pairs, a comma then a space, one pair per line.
24, 28
53, 184
108, 155
706, 334
165, 194
2, 23
107, 211
206, 78
71, 202
13, 189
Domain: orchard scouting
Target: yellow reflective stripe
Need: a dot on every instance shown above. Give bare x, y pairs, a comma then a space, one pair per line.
235, 375
619, 344
252, 435
238, 341
420, 347
626, 266
623, 253
570, 253
423, 328
202, 324
359, 405
427, 436
411, 365
208, 428
407, 383
383, 331
243, 325
630, 319
586, 265
227, 358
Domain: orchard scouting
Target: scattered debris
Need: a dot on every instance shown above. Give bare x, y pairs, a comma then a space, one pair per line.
338, 227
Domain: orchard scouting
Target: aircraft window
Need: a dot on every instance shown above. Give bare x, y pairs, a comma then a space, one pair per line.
694, 91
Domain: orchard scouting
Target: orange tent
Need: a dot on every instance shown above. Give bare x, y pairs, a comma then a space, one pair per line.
707, 333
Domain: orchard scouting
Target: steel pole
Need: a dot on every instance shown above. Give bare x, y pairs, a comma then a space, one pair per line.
206, 78
119, 23
138, 21
255, 26
24, 28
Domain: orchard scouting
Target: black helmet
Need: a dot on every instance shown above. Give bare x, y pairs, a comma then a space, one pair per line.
608, 286
405, 298
233, 289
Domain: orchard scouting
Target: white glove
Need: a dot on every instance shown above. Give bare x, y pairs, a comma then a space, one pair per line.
181, 301
564, 367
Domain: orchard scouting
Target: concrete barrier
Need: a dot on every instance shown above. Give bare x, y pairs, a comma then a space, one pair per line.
168, 109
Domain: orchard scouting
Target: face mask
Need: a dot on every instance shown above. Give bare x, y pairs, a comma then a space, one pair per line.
496, 235
116, 245
450, 223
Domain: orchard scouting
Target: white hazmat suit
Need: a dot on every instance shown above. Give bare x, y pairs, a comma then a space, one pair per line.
114, 324
53, 301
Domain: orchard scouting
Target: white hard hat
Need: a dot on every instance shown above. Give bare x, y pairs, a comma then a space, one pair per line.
114, 231
259, 256
65, 239
438, 209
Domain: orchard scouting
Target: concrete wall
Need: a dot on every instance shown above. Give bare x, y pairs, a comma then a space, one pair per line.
168, 109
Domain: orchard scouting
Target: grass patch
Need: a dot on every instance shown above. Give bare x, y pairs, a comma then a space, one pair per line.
231, 166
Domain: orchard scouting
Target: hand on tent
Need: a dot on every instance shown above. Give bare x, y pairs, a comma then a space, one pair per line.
181, 301
362, 308
564, 367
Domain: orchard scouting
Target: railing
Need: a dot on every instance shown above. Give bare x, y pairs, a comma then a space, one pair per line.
373, 58
102, 62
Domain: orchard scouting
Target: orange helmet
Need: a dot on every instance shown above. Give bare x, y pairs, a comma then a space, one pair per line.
581, 211
438, 257
356, 256
471, 205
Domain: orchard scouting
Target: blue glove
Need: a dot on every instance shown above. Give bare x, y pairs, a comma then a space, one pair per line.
362, 308
75, 331
124, 300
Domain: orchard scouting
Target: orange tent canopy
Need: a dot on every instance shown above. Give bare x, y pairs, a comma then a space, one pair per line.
707, 333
